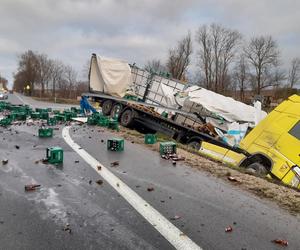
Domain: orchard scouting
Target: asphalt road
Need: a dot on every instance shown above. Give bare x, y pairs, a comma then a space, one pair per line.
100, 217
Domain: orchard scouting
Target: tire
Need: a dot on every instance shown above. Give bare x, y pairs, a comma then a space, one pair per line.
116, 110
106, 107
194, 145
257, 168
127, 118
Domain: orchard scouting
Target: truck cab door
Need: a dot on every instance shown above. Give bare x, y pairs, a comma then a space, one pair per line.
289, 142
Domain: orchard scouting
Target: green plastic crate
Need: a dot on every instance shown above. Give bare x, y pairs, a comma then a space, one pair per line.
166, 148
21, 116
44, 115
5, 122
45, 132
51, 121
115, 144
35, 115
56, 112
55, 155
60, 118
113, 124
150, 139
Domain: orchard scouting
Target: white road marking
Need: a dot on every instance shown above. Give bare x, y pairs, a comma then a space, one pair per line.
176, 237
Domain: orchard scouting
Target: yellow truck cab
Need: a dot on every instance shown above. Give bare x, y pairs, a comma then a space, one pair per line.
272, 147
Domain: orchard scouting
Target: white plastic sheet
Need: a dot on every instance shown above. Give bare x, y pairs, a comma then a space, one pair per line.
110, 76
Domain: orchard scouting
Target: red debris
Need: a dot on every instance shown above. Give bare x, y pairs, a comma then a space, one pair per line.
281, 242
32, 187
114, 164
228, 229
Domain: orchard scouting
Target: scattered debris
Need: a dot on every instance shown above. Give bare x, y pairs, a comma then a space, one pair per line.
137, 186
176, 217
102, 140
90, 182
281, 242
37, 161
150, 189
4, 162
114, 164
228, 229
32, 187
232, 179
67, 228
17, 146
99, 182
76, 161
174, 163
99, 168
118, 185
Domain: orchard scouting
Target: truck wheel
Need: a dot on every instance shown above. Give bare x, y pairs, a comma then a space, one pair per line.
116, 110
106, 107
127, 118
194, 145
257, 168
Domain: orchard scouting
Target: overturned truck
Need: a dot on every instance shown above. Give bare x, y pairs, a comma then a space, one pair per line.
213, 124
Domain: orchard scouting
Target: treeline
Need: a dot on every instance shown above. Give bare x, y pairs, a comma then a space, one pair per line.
227, 62
3, 82
39, 75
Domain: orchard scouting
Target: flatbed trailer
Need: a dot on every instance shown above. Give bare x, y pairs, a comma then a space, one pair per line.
141, 116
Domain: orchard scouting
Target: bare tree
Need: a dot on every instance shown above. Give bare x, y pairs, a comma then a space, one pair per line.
179, 58
262, 54
70, 76
3, 82
294, 73
155, 66
241, 76
57, 71
218, 47
27, 71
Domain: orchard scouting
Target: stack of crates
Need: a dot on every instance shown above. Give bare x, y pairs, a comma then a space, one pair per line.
115, 144
45, 132
55, 155
150, 139
167, 148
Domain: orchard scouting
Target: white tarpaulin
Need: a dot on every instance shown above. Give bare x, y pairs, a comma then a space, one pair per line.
110, 76
225, 107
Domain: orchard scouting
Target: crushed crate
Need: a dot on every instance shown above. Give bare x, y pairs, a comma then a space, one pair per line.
55, 155
113, 124
167, 148
20, 116
150, 139
115, 144
45, 132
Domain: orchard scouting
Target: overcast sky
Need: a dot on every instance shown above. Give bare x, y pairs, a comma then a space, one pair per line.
134, 30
